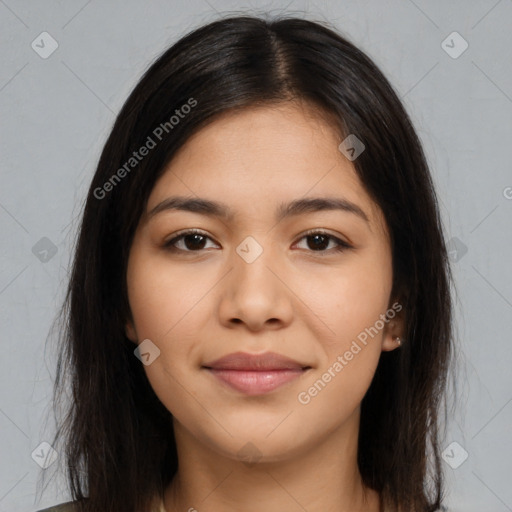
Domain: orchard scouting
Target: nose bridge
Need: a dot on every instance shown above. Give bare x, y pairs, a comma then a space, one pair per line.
254, 294
251, 260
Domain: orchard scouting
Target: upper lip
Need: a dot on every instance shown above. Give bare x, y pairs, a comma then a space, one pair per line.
255, 362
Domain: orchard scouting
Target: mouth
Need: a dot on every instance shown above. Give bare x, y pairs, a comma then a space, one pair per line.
253, 374
256, 382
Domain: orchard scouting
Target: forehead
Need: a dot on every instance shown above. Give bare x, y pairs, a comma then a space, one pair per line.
258, 158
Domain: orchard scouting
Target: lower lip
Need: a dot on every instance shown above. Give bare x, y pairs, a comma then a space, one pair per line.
256, 382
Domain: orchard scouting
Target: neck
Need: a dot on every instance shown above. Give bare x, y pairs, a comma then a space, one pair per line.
319, 478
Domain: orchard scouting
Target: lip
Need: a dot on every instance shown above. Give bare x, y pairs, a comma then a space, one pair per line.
255, 362
256, 374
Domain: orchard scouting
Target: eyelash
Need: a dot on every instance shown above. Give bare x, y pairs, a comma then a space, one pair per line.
341, 245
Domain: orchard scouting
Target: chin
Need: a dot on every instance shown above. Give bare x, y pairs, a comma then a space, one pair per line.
259, 445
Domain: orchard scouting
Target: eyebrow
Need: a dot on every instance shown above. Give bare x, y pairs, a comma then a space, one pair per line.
296, 207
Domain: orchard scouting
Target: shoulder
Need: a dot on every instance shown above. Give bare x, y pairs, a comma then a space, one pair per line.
70, 506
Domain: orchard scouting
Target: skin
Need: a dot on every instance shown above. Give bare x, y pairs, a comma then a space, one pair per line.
309, 305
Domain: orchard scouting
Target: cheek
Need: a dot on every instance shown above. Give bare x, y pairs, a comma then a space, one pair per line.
351, 303
160, 296
347, 299
167, 309
350, 355
160, 313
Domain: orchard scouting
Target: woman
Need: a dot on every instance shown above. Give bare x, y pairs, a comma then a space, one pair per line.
259, 312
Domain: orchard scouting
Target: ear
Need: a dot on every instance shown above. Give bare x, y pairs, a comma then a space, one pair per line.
394, 328
130, 332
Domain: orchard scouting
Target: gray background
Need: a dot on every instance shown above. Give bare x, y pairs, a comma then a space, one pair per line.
56, 113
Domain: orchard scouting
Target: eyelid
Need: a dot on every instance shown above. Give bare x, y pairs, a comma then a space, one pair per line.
341, 244
189, 231
320, 231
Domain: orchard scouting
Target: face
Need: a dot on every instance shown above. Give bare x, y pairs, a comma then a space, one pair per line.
310, 283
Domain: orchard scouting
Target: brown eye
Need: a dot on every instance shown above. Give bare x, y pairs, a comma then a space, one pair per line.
195, 241
191, 241
318, 241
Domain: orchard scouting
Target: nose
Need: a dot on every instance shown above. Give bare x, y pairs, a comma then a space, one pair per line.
256, 295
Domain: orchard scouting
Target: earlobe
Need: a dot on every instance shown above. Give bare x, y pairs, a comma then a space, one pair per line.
391, 342
393, 335
130, 331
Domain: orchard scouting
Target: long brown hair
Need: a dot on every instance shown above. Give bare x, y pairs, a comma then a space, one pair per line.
116, 435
